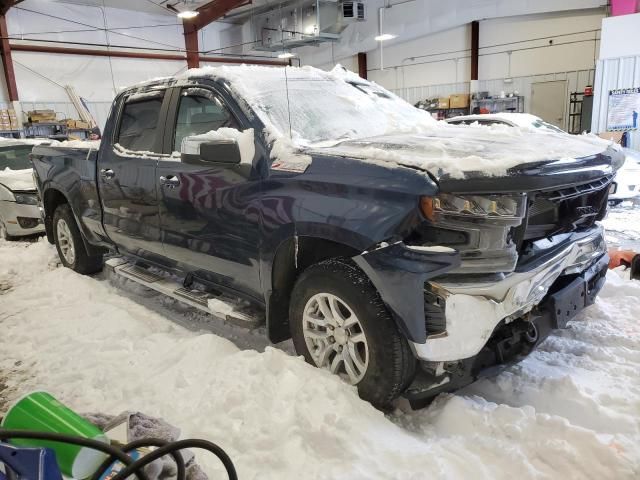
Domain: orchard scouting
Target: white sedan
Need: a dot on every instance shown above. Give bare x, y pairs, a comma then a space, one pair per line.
19, 210
627, 182
522, 120
626, 185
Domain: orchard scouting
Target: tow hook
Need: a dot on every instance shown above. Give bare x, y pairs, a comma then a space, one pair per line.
531, 333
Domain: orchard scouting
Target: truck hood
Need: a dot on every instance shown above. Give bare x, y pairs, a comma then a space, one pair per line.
17, 180
452, 153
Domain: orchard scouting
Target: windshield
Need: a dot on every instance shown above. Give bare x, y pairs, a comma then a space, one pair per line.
324, 107
15, 158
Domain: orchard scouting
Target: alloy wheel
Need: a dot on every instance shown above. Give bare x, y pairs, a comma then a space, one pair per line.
65, 242
334, 337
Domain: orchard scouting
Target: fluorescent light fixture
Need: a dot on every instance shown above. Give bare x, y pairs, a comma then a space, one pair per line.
286, 55
188, 14
384, 37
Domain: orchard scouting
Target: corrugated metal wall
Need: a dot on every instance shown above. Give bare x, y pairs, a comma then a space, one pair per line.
611, 74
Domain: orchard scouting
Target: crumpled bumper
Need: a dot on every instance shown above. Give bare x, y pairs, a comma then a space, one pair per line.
474, 308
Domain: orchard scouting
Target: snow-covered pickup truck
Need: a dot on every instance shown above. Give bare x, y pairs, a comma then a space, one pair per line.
406, 255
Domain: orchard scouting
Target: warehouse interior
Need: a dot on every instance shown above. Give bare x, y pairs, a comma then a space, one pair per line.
437, 204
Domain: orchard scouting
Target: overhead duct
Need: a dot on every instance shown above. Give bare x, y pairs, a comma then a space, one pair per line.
305, 22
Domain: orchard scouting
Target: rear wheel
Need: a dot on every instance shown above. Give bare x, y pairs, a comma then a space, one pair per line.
71, 249
339, 323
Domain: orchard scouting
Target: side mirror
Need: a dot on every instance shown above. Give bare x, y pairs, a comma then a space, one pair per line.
197, 151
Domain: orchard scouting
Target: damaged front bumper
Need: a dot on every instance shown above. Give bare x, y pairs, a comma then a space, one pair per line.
482, 322
473, 308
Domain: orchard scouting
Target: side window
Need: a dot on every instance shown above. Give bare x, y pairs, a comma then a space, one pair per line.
200, 111
139, 122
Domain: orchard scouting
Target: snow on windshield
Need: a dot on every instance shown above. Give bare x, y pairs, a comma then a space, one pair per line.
321, 106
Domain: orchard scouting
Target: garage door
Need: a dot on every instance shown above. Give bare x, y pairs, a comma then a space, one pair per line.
549, 101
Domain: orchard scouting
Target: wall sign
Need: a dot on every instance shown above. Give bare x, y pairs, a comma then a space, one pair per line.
624, 109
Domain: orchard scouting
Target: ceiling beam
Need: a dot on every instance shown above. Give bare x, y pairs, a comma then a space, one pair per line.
143, 55
211, 12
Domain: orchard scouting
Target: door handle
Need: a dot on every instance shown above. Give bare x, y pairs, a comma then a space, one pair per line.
107, 173
170, 181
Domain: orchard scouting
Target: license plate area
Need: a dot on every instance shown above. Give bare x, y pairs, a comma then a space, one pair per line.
568, 302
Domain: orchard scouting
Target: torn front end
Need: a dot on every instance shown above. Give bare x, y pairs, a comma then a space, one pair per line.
493, 275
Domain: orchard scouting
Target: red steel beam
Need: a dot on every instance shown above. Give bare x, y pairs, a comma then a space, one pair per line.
208, 13
142, 55
213, 11
7, 61
191, 45
475, 48
362, 65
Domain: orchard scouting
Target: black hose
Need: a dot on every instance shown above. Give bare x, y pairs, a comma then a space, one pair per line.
84, 442
179, 445
145, 442
131, 467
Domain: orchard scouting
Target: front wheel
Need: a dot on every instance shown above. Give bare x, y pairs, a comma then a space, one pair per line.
339, 323
71, 249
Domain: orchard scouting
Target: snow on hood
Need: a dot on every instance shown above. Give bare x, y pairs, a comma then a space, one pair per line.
17, 180
457, 150
306, 109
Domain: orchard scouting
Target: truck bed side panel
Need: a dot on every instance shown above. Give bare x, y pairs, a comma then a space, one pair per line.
72, 172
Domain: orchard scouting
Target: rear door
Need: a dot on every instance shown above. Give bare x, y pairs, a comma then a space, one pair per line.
209, 214
127, 174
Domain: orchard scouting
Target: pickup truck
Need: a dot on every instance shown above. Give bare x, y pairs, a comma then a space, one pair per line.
408, 256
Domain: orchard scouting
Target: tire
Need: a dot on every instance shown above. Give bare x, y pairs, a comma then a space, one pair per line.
70, 245
389, 364
614, 203
3, 231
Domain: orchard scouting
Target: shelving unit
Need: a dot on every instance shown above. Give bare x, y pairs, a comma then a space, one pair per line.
513, 104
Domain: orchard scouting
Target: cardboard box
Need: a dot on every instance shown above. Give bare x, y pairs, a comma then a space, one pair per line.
459, 100
81, 124
443, 102
42, 116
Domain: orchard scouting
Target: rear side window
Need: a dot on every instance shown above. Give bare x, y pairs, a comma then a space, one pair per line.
200, 111
139, 123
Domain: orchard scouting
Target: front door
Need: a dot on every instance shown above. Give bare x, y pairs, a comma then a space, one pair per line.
127, 175
209, 214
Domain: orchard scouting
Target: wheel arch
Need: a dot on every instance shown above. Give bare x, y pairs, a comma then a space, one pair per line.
291, 258
51, 200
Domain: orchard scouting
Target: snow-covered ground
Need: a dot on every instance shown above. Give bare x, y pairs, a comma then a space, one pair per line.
570, 411
623, 225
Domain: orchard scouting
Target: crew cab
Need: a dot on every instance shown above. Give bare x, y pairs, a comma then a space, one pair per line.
406, 255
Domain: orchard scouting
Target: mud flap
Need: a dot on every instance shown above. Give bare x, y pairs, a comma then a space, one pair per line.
399, 273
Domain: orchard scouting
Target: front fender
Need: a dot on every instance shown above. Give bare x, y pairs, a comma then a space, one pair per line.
399, 272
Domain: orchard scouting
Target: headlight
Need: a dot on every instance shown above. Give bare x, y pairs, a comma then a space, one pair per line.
490, 207
26, 198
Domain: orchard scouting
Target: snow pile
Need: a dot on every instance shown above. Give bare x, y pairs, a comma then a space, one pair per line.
90, 144
246, 142
569, 411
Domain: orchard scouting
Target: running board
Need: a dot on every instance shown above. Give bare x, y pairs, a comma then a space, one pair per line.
216, 305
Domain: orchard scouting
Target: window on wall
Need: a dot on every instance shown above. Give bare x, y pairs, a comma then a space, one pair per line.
139, 123
200, 111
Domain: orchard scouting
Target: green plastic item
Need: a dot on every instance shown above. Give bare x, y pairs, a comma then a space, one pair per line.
41, 412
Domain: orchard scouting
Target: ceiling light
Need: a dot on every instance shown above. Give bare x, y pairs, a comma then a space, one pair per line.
286, 55
187, 14
385, 36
